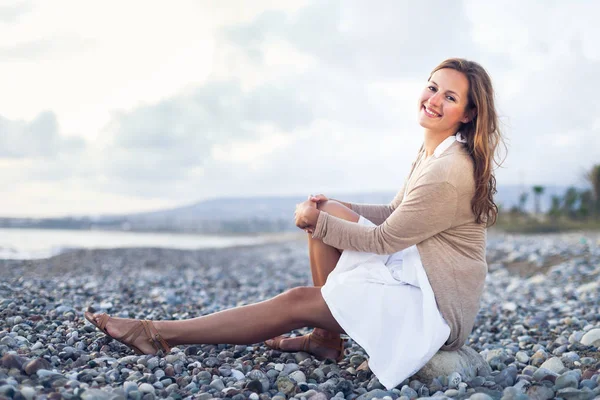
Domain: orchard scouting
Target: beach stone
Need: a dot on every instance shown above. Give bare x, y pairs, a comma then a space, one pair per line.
377, 393
289, 368
298, 376
146, 388
591, 338
237, 374
97, 394
34, 366
522, 357
538, 358
12, 361
553, 364
544, 374
135, 395
576, 394
344, 386
258, 375
568, 379
506, 377
511, 393
285, 385
129, 386
465, 361
480, 396
588, 383
254, 386
28, 392
7, 390
540, 392
408, 392
217, 384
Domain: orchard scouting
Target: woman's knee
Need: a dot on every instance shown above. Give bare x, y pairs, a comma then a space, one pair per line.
300, 294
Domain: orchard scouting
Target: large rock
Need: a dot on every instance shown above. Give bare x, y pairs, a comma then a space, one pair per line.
591, 338
466, 361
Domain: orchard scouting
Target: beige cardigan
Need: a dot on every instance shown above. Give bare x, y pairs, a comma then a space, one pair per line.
436, 215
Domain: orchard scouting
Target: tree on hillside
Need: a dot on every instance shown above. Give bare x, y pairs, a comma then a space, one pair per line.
555, 208
570, 202
522, 201
594, 178
586, 204
537, 192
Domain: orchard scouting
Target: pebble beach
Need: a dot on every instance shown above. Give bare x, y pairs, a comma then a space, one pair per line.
538, 328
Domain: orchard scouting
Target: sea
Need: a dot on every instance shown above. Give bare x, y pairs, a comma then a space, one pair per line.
23, 244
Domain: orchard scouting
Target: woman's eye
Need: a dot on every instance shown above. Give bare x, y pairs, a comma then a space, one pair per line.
432, 88
451, 98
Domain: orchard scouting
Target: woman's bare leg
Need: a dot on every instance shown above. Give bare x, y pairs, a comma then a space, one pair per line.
295, 308
323, 259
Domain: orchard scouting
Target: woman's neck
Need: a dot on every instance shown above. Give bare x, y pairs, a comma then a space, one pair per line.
433, 140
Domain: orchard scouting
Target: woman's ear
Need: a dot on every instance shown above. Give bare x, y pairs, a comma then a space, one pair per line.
469, 115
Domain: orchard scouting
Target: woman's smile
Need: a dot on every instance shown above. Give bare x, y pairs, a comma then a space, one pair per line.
430, 113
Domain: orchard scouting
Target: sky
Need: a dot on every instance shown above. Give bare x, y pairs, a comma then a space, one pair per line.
124, 106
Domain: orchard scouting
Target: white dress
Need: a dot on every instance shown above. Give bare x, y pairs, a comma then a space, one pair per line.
386, 304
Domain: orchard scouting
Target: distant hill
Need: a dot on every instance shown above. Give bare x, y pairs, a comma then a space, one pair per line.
243, 215
281, 208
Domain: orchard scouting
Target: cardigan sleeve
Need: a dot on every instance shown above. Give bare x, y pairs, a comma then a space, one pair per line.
377, 213
427, 210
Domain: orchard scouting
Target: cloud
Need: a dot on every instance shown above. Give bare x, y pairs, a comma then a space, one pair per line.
38, 139
10, 14
47, 48
389, 39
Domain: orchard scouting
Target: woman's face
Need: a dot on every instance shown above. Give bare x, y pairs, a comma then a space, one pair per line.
443, 103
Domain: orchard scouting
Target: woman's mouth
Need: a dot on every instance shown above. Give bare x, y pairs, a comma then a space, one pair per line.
430, 113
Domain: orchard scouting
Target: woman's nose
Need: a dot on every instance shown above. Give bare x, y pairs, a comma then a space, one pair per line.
435, 99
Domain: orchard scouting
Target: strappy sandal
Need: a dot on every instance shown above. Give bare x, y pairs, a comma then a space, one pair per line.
335, 344
142, 326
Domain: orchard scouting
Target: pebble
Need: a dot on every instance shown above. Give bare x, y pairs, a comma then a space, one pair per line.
146, 388
522, 357
553, 364
298, 376
591, 338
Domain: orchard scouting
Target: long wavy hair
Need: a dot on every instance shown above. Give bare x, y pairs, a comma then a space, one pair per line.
483, 136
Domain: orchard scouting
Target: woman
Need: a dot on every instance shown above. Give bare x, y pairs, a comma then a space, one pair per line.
404, 279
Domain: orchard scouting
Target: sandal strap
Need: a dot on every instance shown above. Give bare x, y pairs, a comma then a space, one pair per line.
335, 344
159, 342
276, 342
132, 334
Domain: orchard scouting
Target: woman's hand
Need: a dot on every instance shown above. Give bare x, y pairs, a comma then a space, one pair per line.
318, 198
306, 215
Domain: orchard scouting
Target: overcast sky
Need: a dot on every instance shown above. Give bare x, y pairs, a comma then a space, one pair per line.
120, 106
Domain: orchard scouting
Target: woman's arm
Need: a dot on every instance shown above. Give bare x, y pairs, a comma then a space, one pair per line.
427, 210
376, 213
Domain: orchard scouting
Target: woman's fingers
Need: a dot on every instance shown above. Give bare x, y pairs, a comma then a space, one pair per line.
319, 198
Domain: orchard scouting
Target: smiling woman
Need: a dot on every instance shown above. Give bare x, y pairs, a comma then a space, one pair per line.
402, 279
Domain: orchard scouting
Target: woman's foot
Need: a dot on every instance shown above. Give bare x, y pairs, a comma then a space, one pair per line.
320, 345
141, 335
